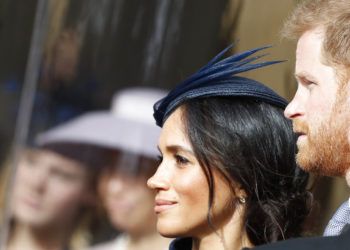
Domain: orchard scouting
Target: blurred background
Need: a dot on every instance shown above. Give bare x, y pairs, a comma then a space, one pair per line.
61, 58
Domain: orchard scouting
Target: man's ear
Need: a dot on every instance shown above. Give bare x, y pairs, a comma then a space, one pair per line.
347, 176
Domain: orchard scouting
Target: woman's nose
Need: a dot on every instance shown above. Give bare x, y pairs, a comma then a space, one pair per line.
38, 179
115, 184
159, 180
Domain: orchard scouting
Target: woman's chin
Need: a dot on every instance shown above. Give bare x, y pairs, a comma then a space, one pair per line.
169, 231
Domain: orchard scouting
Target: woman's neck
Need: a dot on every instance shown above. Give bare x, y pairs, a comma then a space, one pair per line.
26, 237
230, 236
218, 242
147, 241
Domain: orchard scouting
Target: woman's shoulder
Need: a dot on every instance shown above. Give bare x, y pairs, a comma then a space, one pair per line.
181, 244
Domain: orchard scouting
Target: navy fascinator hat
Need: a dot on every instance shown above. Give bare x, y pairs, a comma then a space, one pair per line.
218, 78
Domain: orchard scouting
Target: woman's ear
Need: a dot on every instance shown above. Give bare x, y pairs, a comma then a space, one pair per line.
241, 195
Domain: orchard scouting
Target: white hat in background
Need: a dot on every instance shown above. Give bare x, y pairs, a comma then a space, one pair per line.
128, 126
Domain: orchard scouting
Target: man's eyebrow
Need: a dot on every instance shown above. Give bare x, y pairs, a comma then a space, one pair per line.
303, 75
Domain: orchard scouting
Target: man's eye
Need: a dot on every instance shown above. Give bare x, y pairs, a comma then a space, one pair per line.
311, 83
308, 82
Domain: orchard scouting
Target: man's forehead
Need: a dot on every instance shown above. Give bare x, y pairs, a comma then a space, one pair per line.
309, 40
308, 53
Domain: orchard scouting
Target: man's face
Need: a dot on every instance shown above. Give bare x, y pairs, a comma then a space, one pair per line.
318, 110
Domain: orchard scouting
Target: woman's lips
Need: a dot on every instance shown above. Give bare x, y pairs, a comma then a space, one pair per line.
163, 205
31, 202
119, 205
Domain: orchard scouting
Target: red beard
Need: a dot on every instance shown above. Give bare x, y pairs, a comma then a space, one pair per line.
326, 150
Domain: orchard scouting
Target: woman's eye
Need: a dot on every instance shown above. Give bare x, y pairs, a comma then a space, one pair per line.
64, 176
180, 160
159, 159
30, 160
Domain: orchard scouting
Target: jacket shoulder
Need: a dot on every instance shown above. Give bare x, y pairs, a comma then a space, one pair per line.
341, 242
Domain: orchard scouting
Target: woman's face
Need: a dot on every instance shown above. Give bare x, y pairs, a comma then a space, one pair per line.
182, 188
49, 189
128, 202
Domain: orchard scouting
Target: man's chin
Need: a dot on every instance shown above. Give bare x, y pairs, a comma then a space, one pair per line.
307, 166
303, 159
311, 165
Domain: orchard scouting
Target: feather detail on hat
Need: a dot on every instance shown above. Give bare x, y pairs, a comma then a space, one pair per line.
217, 78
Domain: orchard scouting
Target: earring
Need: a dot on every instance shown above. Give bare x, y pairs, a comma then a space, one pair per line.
242, 200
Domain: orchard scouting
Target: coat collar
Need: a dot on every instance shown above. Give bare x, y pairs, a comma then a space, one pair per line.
181, 244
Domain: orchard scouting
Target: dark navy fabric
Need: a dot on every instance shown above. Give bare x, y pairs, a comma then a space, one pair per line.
181, 244
217, 78
341, 242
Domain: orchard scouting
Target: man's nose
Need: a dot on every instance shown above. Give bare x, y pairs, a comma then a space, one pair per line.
295, 108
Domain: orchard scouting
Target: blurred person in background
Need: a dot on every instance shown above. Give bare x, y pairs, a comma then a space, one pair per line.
129, 131
54, 196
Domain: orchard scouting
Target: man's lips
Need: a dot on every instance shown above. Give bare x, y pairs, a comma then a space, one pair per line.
299, 133
162, 205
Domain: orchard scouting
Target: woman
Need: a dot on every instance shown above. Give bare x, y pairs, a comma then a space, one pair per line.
128, 133
227, 177
129, 203
122, 189
53, 198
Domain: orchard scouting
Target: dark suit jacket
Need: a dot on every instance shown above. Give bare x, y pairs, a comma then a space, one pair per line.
341, 242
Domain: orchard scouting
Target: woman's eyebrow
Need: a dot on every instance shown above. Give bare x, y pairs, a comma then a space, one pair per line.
177, 148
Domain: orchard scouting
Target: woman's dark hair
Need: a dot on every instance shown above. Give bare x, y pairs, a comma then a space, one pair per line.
252, 144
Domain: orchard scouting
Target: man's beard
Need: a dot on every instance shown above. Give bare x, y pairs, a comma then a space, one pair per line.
326, 150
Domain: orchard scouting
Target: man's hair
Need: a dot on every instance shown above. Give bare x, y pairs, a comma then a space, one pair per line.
333, 16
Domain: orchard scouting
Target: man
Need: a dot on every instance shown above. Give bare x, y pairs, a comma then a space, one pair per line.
320, 109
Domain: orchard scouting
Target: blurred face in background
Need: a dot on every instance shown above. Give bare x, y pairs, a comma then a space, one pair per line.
49, 189
126, 198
